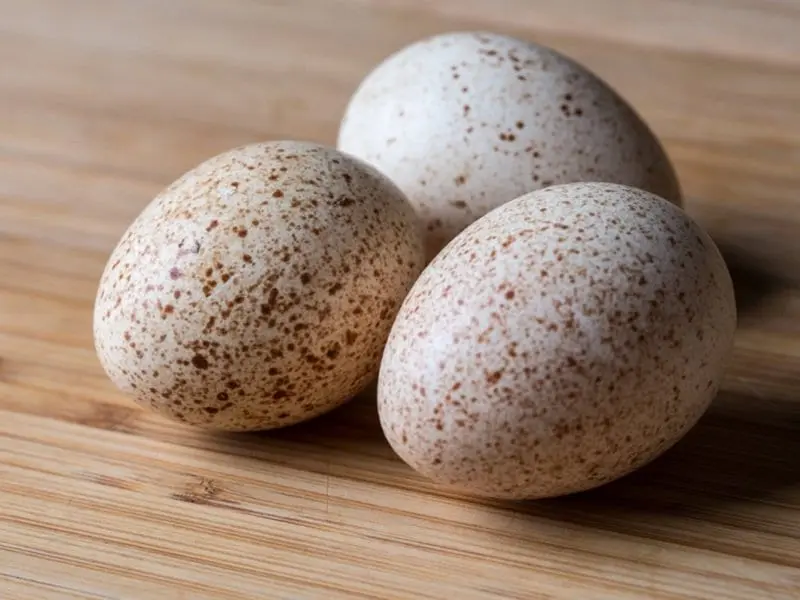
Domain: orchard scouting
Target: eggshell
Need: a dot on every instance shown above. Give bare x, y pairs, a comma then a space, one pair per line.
558, 343
258, 290
464, 122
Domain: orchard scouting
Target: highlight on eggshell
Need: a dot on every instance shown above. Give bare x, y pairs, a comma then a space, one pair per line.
258, 290
560, 342
463, 122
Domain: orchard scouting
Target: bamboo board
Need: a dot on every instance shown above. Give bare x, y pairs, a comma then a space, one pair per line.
102, 102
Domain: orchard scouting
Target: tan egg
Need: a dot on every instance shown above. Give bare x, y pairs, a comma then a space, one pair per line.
464, 122
257, 291
558, 343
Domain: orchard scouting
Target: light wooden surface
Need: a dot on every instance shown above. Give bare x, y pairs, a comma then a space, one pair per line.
102, 102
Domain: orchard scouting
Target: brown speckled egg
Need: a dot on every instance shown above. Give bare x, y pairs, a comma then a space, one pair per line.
558, 343
258, 290
464, 122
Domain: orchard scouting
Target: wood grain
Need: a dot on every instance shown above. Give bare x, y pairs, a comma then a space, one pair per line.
103, 102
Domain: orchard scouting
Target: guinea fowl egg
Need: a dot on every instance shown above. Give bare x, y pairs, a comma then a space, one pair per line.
257, 291
464, 122
558, 343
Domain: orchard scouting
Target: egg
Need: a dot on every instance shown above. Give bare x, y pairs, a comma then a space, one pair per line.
464, 122
258, 290
559, 342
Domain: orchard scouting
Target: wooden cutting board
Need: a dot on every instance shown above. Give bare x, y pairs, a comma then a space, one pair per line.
103, 102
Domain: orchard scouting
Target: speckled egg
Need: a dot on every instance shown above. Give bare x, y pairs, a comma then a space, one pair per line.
464, 122
558, 343
258, 290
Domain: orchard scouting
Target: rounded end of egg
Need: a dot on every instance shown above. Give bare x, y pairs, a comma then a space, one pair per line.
464, 122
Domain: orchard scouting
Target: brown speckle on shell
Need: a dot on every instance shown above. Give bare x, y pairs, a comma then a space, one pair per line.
583, 331
229, 301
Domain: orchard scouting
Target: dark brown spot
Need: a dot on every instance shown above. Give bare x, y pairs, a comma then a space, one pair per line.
272, 300
305, 278
493, 378
200, 361
277, 194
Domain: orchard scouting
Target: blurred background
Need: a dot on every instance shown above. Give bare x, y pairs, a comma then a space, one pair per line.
124, 96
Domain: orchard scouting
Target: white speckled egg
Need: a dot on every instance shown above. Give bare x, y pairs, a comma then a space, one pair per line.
464, 122
258, 290
558, 343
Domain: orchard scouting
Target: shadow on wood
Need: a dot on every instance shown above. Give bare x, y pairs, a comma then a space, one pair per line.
350, 430
751, 285
354, 424
745, 452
